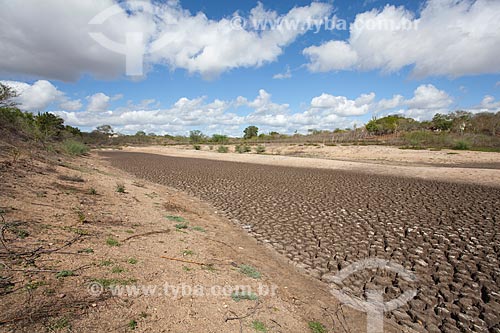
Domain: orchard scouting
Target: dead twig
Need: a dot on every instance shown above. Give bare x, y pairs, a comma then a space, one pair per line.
250, 313
148, 233
186, 261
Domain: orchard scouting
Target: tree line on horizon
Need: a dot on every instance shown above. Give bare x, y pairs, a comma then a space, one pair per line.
47, 127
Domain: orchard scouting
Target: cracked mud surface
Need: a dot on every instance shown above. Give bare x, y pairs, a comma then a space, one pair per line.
446, 233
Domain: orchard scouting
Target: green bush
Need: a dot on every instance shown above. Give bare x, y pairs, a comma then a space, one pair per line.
197, 147
260, 149
73, 147
242, 149
222, 149
461, 145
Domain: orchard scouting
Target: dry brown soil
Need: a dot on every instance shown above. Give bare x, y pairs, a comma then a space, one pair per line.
445, 232
58, 237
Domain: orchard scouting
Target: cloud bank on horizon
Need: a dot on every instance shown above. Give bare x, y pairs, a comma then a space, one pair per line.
444, 40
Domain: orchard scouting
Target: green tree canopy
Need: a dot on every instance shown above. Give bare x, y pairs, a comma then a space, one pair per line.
250, 132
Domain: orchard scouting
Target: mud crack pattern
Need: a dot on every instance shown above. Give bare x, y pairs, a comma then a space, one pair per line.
326, 219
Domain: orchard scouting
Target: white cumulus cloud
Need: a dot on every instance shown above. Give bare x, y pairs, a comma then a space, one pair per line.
52, 39
450, 38
98, 102
37, 96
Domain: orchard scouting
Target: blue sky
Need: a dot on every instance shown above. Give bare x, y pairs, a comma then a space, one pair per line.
214, 75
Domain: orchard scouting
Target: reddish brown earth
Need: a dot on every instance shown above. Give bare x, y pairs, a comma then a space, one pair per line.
447, 233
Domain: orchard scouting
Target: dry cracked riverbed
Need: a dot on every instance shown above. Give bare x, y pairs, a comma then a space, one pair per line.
323, 220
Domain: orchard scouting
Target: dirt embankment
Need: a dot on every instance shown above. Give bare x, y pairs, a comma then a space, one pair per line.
66, 228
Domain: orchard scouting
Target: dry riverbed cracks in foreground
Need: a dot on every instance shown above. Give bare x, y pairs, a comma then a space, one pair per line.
72, 225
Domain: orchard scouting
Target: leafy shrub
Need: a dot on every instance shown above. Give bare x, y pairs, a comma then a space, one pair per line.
222, 149
461, 145
260, 149
74, 148
242, 149
197, 147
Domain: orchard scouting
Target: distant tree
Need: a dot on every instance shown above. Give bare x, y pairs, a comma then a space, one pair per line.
140, 133
73, 130
104, 129
442, 122
461, 121
196, 136
486, 123
250, 132
49, 125
152, 134
7, 96
313, 131
219, 138
386, 125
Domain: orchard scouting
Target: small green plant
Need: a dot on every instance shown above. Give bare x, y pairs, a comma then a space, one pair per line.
132, 261
222, 149
117, 270
317, 327
106, 283
106, 263
74, 148
187, 252
249, 271
120, 188
197, 147
112, 242
209, 267
62, 274
198, 228
49, 292
34, 285
20, 233
186, 269
92, 191
180, 226
260, 149
175, 218
132, 324
58, 324
259, 326
86, 250
461, 145
243, 295
81, 216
